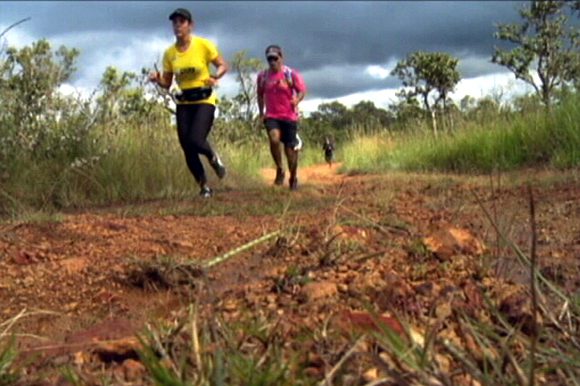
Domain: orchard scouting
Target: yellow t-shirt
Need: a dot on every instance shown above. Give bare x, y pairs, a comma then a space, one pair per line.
191, 68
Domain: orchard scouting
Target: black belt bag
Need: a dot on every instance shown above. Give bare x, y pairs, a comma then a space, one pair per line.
194, 94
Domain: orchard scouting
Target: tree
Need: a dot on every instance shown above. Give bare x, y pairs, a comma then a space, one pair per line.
227, 109
365, 113
406, 111
29, 81
544, 41
483, 109
527, 104
113, 90
466, 104
246, 70
126, 97
238, 114
333, 114
424, 73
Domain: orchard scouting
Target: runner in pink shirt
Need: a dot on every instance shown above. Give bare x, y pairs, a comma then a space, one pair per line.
280, 90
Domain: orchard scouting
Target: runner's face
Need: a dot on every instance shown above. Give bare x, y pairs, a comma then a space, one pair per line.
181, 27
274, 61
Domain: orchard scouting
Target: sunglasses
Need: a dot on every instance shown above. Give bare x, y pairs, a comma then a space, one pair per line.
273, 58
179, 20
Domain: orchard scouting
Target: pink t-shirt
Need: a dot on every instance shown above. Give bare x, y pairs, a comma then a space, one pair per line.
278, 93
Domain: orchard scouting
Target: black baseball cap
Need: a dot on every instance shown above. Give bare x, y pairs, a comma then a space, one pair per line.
273, 50
184, 13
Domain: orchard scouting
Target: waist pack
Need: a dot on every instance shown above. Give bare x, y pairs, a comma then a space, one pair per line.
194, 94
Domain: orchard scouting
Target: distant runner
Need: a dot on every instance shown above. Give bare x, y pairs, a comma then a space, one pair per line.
328, 148
188, 60
280, 90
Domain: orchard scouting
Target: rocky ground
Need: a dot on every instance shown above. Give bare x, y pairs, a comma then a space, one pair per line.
417, 250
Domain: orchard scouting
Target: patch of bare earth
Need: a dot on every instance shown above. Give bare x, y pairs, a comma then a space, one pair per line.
418, 246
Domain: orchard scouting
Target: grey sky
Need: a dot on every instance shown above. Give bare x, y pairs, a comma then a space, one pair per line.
331, 43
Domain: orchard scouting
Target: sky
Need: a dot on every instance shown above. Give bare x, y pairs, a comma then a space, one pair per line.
344, 50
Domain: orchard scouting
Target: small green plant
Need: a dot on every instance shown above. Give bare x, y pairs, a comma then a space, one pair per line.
420, 271
294, 276
418, 250
192, 351
8, 353
9, 374
71, 376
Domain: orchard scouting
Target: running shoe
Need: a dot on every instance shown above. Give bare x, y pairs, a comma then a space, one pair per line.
206, 192
218, 166
279, 180
293, 183
299, 143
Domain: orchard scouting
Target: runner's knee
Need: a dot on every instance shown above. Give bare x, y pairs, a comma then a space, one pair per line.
274, 136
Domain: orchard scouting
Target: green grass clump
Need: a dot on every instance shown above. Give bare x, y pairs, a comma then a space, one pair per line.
503, 143
8, 354
211, 352
131, 164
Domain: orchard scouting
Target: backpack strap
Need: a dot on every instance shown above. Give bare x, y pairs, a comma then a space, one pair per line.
288, 76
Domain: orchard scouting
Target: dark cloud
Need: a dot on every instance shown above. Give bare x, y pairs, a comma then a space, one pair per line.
330, 42
335, 81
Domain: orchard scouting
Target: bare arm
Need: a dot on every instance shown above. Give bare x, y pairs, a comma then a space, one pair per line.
261, 105
163, 80
221, 68
299, 88
260, 93
298, 98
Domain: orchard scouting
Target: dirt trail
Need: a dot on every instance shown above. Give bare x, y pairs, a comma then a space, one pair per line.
321, 174
80, 266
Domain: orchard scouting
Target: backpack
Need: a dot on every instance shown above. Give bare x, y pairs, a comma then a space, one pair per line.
288, 76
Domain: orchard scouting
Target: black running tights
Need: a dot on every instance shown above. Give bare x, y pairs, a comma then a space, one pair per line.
194, 123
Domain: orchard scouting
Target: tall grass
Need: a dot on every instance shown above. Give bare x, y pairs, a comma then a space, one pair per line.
501, 143
131, 163
365, 152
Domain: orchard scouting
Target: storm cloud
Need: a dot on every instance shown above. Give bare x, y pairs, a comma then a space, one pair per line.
333, 44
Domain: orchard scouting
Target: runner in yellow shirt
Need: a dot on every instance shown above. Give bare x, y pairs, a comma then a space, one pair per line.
188, 61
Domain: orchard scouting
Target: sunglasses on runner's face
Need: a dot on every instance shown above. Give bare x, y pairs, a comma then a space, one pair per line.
272, 58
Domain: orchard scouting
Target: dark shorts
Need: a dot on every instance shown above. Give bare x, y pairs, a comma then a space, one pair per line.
288, 131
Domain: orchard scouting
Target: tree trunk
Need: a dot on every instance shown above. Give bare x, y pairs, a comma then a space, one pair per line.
431, 111
447, 118
450, 121
546, 96
434, 122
